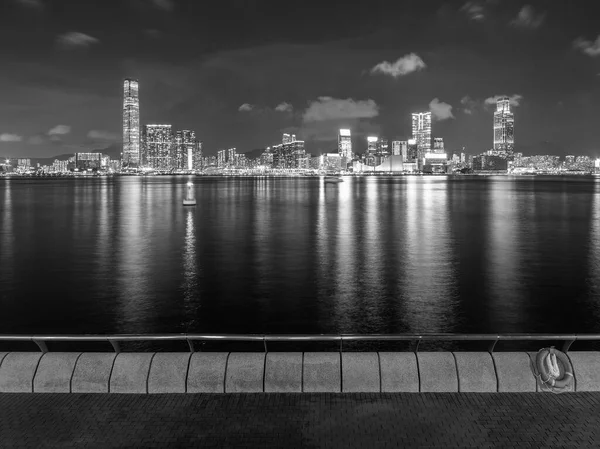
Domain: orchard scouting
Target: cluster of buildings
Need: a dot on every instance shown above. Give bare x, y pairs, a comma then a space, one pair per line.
158, 148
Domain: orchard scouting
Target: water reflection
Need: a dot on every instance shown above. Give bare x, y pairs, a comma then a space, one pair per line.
594, 256
191, 274
503, 280
6, 239
428, 274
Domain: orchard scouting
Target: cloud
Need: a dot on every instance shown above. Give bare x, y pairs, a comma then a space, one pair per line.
35, 4
528, 18
95, 134
469, 104
328, 108
284, 107
6, 137
246, 107
59, 130
403, 66
590, 48
440, 110
75, 39
515, 100
474, 10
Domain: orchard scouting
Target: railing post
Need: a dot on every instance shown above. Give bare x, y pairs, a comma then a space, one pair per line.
341, 344
265, 343
41, 345
191, 345
567, 345
116, 346
492, 345
417, 347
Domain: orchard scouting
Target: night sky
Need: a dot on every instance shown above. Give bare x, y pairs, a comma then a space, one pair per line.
242, 72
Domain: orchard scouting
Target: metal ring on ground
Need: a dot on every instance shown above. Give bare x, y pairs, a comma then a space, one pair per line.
551, 380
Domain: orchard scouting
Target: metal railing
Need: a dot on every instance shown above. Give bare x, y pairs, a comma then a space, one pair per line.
115, 340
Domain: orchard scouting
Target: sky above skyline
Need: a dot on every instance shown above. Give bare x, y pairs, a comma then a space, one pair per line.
240, 73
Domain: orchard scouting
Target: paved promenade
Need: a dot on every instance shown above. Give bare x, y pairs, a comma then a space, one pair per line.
314, 420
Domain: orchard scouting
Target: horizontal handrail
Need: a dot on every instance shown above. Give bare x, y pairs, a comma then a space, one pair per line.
190, 338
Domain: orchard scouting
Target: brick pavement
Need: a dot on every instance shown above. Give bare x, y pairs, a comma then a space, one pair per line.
314, 420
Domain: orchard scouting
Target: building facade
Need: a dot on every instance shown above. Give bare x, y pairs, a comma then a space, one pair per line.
159, 146
504, 128
131, 123
421, 132
185, 150
345, 145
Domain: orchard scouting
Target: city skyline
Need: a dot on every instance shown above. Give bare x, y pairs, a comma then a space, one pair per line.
59, 82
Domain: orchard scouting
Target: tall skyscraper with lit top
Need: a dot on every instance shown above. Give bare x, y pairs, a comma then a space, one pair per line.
131, 123
345, 144
504, 128
421, 131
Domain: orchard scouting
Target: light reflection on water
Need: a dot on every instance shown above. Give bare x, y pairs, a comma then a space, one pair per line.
407, 254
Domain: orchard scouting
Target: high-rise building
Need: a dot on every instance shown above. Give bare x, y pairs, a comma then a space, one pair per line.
438, 144
372, 144
421, 132
185, 150
131, 123
400, 148
345, 145
383, 147
159, 146
221, 158
504, 128
197, 159
231, 156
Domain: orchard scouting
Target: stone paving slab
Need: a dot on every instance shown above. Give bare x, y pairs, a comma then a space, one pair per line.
310, 420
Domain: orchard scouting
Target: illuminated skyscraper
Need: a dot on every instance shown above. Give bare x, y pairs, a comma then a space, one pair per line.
286, 138
197, 159
421, 132
372, 144
504, 128
131, 123
185, 150
438, 144
345, 144
400, 148
159, 146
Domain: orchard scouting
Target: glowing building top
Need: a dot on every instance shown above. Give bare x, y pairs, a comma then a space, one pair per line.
345, 144
131, 123
504, 128
421, 131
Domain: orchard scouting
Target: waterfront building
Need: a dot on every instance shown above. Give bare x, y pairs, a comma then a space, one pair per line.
221, 158
197, 159
330, 162
383, 148
372, 144
438, 144
400, 148
23, 164
185, 150
288, 138
231, 157
486, 162
421, 132
131, 123
88, 161
504, 128
159, 146
345, 145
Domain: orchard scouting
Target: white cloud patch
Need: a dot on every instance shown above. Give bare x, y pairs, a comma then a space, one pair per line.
6, 137
328, 108
440, 110
528, 18
474, 10
75, 39
246, 107
590, 48
284, 107
95, 134
59, 130
515, 100
403, 66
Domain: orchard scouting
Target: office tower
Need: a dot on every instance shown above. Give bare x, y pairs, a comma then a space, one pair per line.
421, 132
400, 148
345, 144
131, 123
197, 159
221, 158
372, 144
293, 137
159, 146
286, 138
504, 128
185, 147
438, 144
382, 146
231, 157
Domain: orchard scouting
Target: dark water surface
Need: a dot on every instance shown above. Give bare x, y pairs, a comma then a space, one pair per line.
380, 255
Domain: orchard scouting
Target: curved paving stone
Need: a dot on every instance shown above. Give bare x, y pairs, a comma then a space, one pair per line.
437, 371
168, 372
283, 372
399, 373
322, 372
245, 372
206, 373
92, 372
130, 372
360, 372
54, 372
476, 372
17, 371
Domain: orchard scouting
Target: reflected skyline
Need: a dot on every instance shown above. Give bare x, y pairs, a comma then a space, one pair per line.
264, 255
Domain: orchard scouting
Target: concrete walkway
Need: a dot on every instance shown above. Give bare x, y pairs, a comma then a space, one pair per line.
310, 420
